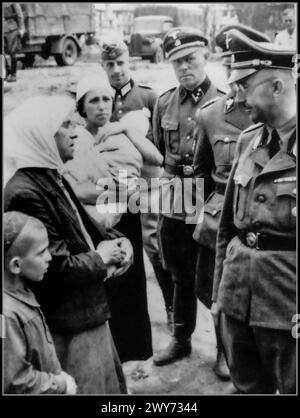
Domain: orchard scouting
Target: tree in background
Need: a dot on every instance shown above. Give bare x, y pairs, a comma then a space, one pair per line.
265, 17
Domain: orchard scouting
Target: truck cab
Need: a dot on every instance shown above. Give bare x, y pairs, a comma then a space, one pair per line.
147, 37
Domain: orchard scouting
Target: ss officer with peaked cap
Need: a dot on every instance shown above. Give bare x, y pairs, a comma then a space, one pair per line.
219, 124
255, 272
173, 125
131, 96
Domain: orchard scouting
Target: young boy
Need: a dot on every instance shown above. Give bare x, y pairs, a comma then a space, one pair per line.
30, 361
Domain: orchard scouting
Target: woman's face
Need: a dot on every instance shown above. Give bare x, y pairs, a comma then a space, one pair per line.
98, 106
65, 136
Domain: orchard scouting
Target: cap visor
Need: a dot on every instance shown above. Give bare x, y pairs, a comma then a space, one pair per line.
183, 52
237, 75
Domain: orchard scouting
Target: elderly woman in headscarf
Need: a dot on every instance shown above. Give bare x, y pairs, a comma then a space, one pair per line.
38, 139
130, 323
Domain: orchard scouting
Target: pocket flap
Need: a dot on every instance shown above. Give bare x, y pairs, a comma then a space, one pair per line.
169, 125
226, 139
286, 189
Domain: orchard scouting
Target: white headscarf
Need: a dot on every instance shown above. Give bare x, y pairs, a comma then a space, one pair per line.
91, 82
29, 133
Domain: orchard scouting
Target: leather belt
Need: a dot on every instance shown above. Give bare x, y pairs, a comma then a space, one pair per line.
266, 242
180, 170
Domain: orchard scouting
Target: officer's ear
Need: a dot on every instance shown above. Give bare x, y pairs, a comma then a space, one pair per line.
278, 87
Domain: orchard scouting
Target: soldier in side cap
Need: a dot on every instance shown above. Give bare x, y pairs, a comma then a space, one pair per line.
255, 272
173, 125
132, 96
219, 124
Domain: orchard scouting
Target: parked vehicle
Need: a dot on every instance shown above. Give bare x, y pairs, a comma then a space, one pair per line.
152, 22
56, 29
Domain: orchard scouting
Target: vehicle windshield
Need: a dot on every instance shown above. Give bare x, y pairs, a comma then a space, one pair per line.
151, 26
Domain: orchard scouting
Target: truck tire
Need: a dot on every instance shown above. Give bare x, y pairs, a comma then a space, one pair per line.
158, 56
28, 61
69, 53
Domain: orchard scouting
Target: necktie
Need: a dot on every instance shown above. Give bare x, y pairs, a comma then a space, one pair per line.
274, 144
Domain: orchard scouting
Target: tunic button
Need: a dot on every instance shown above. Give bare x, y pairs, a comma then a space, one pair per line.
226, 139
261, 198
214, 212
187, 155
188, 137
189, 118
294, 211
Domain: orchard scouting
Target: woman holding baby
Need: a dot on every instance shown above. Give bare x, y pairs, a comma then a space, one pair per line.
96, 162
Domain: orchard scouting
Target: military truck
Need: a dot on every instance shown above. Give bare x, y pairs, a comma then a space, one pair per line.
152, 22
56, 29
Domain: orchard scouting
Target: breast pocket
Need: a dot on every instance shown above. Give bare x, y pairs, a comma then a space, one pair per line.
286, 204
224, 149
241, 192
171, 134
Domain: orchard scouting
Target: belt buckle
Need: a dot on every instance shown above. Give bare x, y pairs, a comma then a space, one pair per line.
188, 170
252, 239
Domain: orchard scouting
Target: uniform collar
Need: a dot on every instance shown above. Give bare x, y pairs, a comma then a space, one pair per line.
197, 94
234, 113
125, 89
286, 130
25, 295
229, 104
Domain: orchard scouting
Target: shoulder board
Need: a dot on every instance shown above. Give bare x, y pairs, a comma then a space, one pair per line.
210, 102
221, 91
253, 127
144, 86
168, 91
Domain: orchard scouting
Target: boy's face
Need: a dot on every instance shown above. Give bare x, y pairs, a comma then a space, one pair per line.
35, 262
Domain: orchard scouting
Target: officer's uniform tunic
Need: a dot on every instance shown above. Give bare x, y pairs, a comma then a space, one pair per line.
255, 273
173, 126
219, 124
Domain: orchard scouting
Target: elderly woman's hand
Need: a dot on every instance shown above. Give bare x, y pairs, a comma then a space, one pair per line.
125, 244
111, 252
110, 128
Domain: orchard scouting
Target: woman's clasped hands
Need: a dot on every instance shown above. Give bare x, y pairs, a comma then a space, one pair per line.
117, 255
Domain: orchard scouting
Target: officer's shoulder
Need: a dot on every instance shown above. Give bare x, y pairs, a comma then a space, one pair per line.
167, 92
164, 97
144, 86
210, 102
252, 128
221, 92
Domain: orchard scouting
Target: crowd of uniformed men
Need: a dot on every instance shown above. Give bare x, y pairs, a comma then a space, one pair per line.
242, 255
240, 260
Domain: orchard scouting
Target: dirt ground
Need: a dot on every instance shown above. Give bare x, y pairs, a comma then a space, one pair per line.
194, 374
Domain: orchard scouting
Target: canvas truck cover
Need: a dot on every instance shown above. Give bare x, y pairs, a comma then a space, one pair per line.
50, 19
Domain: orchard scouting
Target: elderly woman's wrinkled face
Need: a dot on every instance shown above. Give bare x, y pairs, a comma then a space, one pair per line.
65, 137
98, 106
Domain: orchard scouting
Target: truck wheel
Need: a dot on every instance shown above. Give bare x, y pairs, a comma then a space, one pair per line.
158, 56
69, 53
28, 61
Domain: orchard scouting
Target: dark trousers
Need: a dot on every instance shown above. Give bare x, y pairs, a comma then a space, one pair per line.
179, 252
261, 360
12, 44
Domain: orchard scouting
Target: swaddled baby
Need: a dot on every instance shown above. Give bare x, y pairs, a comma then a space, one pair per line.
113, 167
